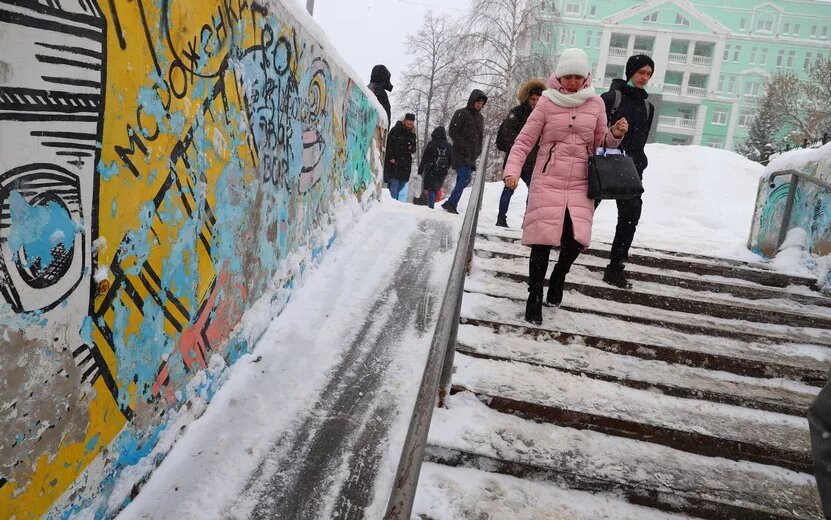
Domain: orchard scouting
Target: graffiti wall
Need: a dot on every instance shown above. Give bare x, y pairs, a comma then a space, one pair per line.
160, 161
811, 207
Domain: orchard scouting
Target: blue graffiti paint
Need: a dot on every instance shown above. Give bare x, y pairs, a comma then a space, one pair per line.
93, 442
37, 230
108, 172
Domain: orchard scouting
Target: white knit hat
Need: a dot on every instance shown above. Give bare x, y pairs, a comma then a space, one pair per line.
572, 61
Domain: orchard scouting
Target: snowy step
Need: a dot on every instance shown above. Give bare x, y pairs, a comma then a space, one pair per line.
486, 283
470, 434
680, 262
775, 395
548, 395
735, 287
803, 362
447, 493
673, 298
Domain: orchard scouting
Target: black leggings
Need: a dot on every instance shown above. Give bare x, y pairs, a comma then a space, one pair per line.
569, 251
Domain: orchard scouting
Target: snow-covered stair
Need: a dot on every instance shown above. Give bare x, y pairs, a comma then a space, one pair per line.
682, 398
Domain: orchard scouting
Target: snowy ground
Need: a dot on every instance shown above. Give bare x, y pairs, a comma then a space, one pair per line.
697, 200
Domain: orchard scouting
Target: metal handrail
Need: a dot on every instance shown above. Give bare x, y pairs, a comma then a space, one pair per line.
797, 176
440, 359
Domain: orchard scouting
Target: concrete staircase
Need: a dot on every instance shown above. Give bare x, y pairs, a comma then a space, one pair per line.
683, 397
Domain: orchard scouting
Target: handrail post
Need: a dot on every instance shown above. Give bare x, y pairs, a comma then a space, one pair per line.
786, 216
401, 500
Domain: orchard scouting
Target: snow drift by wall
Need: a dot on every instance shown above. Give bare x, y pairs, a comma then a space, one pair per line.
164, 166
811, 208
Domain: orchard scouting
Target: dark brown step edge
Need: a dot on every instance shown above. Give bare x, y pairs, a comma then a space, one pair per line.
683, 304
709, 361
772, 279
756, 403
669, 500
739, 291
699, 330
631, 428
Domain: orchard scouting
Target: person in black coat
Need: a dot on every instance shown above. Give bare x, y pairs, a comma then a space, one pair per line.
398, 160
819, 421
379, 84
467, 130
639, 112
528, 95
435, 161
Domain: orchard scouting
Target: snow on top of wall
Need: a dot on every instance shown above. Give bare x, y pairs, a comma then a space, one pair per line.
795, 159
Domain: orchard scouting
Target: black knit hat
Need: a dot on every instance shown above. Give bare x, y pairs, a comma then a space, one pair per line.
636, 63
409, 117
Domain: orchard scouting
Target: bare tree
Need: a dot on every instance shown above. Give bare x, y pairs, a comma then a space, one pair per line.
803, 104
766, 124
438, 70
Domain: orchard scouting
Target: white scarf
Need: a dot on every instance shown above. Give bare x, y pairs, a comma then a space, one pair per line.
568, 99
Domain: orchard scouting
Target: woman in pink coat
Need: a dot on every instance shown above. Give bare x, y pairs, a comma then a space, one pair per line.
570, 123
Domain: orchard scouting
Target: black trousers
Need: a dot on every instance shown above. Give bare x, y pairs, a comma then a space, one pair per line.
569, 251
628, 215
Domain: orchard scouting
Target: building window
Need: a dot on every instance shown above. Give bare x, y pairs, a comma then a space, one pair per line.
719, 117
813, 31
763, 60
731, 85
727, 49
715, 143
563, 36
742, 24
791, 57
787, 28
589, 39
681, 20
780, 58
796, 29
572, 8
764, 24
745, 119
737, 53
597, 39
573, 37
753, 55
593, 10
752, 89
680, 141
807, 62
824, 32
651, 17
720, 87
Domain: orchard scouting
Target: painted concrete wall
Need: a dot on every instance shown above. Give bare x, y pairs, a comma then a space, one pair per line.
811, 208
160, 163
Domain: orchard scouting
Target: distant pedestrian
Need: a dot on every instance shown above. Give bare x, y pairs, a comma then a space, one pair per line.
379, 84
398, 160
627, 99
569, 123
435, 161
467, 129
528, 95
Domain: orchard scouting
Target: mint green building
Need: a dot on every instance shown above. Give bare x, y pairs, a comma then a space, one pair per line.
712, 57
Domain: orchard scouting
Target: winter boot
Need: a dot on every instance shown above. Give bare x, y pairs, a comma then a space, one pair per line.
502, 222
533, 309
449, 207
614, 275
555, 287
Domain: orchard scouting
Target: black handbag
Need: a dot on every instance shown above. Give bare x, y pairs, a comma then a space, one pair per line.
613, 177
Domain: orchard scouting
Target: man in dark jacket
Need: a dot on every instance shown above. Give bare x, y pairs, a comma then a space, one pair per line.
467, 129
379, 84
398, 160
628, 99
528, 96
435, 162
819, 421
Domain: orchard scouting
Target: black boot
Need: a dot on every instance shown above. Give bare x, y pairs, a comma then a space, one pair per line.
533, 309
449, 207
614, 275
502, 221
555, 287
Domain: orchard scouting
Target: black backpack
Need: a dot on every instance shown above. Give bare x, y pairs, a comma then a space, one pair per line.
503, 142
616, 105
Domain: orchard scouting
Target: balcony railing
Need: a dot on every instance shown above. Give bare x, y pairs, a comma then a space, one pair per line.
617, 52
672, 89
704, 61
604, 83
677, 122
648, 52
677, 57
697, 91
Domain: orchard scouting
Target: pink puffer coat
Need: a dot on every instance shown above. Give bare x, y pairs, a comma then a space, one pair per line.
560, 179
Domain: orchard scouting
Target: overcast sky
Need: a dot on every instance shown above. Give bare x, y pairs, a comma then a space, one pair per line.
369, 32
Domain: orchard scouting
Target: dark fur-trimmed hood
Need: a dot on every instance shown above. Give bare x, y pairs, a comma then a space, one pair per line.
525, 90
